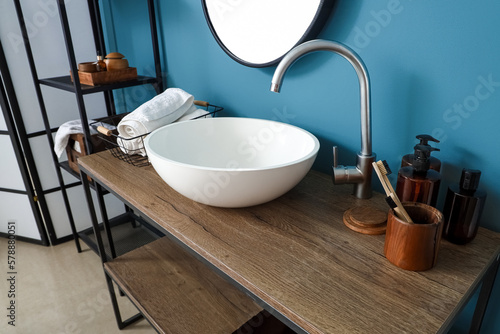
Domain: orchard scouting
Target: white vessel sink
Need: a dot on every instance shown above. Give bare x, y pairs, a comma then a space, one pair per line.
231, 162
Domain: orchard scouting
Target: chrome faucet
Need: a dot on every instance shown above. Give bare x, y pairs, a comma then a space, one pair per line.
361, 174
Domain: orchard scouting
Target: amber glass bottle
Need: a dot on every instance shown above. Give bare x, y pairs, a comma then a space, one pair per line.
463, 208
101, 65
419, 183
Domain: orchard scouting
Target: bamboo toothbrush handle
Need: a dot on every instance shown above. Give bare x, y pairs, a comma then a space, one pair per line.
389, 185
403, 214
389, 190
381, 177
399, 209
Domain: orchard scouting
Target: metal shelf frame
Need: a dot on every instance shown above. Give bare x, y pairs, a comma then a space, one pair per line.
74, 86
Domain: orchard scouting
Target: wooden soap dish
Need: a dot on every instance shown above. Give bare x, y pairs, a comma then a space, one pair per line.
366, 220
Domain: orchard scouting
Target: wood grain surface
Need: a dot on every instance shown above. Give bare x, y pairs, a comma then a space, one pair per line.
296, 255
178, 293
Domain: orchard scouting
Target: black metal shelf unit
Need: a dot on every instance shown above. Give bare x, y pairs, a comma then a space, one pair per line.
65, 166
121, 236
66, 84
79, 90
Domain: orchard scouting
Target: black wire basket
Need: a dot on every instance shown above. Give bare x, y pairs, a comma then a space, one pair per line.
120, 146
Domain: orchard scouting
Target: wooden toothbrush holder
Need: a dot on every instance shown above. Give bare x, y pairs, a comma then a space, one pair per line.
414, 246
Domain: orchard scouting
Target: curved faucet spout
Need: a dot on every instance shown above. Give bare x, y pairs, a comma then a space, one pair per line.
361, 174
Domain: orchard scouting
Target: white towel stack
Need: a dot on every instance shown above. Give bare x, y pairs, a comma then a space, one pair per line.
171, 105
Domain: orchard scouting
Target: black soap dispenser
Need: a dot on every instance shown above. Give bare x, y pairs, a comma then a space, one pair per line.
435, 163
463, 208
417, 182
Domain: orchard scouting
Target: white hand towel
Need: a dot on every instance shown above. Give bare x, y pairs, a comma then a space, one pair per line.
192, 114
173, 101
65, 130
136, 145
162, 110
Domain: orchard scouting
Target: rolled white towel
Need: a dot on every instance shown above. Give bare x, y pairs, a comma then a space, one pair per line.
159, 111
132, 131
162, 110
136, 145
191, 115
132, 146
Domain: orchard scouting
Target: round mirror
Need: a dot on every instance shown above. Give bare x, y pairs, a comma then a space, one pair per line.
259, 33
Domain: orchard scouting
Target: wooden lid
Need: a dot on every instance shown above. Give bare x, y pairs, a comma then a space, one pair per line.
366, 220
114, 55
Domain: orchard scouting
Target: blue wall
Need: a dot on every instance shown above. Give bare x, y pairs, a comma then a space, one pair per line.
434, 68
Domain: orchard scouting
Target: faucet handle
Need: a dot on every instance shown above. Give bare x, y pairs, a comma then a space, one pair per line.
335, 155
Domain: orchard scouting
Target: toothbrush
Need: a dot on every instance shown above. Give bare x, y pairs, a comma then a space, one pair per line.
382, 169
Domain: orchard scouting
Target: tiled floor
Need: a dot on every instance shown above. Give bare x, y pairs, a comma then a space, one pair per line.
59, 291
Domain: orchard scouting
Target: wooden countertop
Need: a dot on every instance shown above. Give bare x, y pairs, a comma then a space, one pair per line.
296, 257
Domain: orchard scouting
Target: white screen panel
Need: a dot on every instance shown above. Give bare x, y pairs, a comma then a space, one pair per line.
10, 175
16, 207
80, 210
3, 125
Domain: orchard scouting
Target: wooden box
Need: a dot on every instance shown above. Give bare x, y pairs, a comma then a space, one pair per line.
106, 77
76, 148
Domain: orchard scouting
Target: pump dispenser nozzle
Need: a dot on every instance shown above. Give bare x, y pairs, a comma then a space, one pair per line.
469, 181
424, 139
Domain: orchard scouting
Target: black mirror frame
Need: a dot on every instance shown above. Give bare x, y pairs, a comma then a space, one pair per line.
322, 14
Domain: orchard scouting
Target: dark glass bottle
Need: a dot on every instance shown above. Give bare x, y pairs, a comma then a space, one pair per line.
419, 183
435, 163
463, 208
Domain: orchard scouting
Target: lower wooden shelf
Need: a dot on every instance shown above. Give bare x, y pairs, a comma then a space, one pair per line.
177, 293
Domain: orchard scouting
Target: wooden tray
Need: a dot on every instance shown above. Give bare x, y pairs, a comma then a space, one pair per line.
106, 77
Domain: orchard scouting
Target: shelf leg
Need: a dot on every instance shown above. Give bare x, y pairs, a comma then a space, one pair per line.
93, 217
484, 297
104, 214
156, 51
102, 252
114, 302
131, 215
